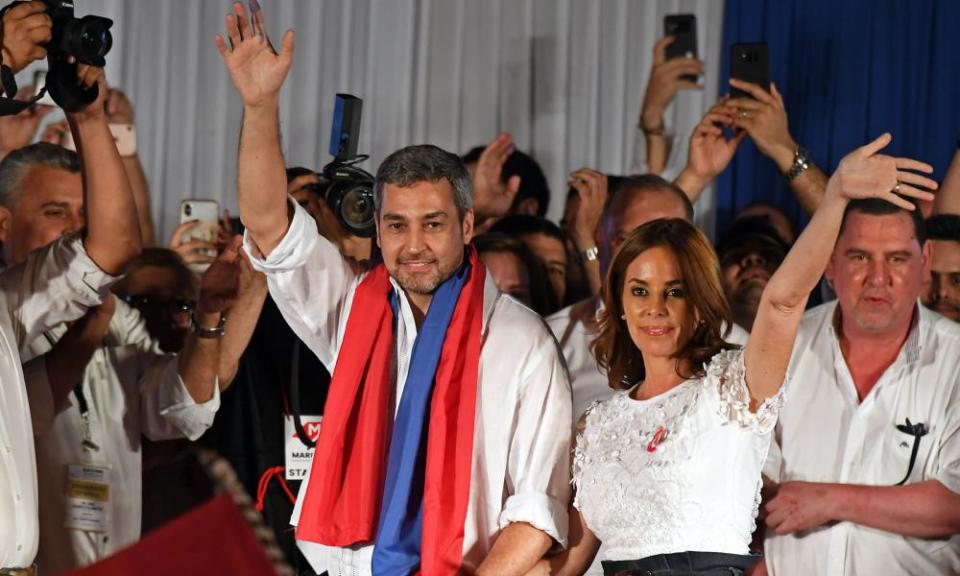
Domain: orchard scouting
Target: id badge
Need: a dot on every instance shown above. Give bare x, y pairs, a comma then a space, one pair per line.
88, 497
297, 455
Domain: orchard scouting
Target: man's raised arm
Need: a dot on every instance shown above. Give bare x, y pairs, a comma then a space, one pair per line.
113, 231
258, 72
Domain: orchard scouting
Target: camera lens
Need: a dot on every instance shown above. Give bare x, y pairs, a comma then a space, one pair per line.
187, 209
356, 208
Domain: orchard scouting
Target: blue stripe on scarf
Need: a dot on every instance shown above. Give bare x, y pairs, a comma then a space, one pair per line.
397, 546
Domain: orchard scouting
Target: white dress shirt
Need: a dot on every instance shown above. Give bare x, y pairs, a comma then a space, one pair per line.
826, 434
521, 466
132, 390
53, 285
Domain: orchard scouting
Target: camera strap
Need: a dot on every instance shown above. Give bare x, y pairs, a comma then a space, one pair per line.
8, 105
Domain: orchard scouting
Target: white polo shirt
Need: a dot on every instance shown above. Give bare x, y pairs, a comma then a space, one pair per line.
825, 434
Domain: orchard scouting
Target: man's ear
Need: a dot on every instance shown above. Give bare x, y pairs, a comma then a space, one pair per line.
6, 223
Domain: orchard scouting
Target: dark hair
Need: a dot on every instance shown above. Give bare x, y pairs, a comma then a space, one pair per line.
161, 258
879, 207
614, 349
763, 205
523, 224
295, 172
533, 183
944, 227
425, 163
751, 230
542, 299
619, 187
15, 165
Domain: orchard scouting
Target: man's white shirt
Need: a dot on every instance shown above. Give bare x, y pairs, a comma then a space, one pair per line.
521, 466
132, 389
53, 285
825, 434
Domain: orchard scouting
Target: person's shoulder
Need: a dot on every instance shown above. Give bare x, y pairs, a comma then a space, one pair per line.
582, 313
945, 330
512, 316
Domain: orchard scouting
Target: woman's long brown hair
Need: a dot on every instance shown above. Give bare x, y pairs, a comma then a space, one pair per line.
614, 349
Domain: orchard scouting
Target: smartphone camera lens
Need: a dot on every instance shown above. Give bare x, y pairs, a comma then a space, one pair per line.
187, 210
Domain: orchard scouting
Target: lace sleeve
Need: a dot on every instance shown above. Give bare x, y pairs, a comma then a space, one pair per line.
580, 452
726, 377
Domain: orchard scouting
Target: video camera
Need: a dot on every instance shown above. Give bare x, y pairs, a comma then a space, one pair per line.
347, 189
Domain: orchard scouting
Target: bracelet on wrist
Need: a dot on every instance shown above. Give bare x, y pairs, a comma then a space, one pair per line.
801, 163
202, 332
652, 130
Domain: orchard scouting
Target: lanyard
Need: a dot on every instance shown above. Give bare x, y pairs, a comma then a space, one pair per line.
87, 438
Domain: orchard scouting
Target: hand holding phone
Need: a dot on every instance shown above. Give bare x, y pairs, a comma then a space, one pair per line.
683, 29
195, 239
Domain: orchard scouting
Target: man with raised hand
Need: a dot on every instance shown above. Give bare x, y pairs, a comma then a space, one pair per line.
445, 440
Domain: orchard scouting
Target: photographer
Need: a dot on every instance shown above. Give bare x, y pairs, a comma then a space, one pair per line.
56, 284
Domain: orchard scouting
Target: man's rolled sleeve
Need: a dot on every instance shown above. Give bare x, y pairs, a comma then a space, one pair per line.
55, 284
168, 409
294, 248
542, 511
538, 469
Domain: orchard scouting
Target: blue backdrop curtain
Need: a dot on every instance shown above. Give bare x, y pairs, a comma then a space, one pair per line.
848, 70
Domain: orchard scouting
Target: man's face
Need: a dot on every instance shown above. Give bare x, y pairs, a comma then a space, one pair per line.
942, 294
553, 254
421, 235
165, 304
745, 272
877, 270
635, 211
48, 206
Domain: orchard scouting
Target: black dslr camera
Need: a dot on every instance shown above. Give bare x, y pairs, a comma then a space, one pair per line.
347, 189
75, 40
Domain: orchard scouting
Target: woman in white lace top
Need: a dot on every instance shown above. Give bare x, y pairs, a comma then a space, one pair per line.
667, 471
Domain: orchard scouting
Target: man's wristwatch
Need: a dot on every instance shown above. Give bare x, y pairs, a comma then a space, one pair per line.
208, 332
588, 255
801, 163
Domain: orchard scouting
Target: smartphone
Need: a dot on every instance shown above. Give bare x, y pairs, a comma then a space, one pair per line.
683, 28
750, 63
207, 215
39, 81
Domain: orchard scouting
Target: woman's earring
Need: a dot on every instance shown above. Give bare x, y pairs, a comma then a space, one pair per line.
623, 316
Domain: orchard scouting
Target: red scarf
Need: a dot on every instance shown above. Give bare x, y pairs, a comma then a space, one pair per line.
341, 506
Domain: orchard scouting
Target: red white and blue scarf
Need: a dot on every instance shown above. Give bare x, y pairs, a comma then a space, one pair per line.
407, 492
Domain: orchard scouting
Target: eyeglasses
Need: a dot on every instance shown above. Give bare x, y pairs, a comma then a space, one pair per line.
918, 431
151, 303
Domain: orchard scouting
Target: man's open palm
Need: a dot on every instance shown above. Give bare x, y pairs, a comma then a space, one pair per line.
258, 71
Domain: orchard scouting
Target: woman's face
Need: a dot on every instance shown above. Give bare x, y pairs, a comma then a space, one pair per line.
659, 317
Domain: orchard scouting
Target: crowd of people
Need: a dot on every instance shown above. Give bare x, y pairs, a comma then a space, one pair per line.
500, 394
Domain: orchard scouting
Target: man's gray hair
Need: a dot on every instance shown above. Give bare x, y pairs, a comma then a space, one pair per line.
425, 163
14, 167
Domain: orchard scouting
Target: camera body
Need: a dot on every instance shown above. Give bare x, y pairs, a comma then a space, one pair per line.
347, 189
74, 40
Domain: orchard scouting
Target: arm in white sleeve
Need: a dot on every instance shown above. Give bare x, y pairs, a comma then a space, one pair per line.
166, 407
311, 283
538, 469
55, 284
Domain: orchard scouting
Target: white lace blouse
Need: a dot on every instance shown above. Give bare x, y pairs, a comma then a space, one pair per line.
678, 472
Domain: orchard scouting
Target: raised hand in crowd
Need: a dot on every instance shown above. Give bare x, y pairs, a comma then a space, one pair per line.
258, 72
667, 77
243, 309
710, 150
591, 187
26, 30
119, 112
948, 200
193, 251
764, 118
18, 130
492, 197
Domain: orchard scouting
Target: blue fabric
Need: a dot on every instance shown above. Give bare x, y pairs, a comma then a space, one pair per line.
848, 70
397, 546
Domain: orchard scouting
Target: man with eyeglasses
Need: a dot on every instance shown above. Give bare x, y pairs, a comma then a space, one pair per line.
866, 457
